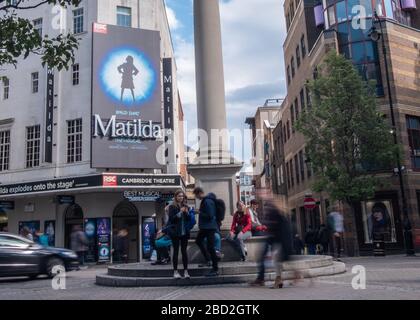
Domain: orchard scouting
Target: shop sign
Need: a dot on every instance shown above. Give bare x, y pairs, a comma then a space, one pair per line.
65, 199
7, 205
142, 196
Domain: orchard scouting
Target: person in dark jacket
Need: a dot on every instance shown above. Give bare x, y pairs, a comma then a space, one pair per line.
310, 240
298, 245
208, 226
179, 220
279, 238
121, 246
323, 238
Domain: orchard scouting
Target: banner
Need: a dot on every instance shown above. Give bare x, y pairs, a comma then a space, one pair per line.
90, 232
103, 231
148, 232
126, 97
49, 122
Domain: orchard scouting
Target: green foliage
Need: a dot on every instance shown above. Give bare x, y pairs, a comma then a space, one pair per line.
348, 140
18, 38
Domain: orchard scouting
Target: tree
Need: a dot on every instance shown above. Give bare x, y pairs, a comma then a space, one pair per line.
348, 140
19, 38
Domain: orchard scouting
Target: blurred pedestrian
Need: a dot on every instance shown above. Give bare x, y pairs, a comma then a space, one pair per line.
26, 233
279, 238
310, 240
79, 242
42, 239
240, 229
336, 224
121, 246
208, 226
298, 245
258, 229
323, 238
179, 222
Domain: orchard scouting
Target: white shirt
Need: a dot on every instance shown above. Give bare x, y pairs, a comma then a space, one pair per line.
338, 221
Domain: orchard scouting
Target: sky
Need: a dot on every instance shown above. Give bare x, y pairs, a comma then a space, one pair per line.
253, 32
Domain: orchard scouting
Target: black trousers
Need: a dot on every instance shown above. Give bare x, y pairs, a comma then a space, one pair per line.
176, 242
209, 234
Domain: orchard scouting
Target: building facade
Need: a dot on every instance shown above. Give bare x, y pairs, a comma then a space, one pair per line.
49, 180
313, 29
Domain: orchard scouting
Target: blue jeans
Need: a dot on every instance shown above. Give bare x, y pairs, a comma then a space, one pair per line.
217, 242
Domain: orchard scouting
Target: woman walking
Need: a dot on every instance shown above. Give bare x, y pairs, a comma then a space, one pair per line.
179, 222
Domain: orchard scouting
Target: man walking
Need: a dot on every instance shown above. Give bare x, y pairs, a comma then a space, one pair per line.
336, 224
207, 228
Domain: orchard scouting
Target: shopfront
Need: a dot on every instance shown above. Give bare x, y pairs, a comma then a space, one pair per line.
102, 206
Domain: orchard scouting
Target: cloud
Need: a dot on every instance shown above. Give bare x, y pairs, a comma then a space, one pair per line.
253, 33
174, 23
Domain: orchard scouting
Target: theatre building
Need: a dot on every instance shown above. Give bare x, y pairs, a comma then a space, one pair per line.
97, 146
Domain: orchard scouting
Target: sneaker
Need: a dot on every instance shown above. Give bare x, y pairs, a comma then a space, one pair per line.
205, 265
213, 273
157, 262
186, 274
177, 275
243, 258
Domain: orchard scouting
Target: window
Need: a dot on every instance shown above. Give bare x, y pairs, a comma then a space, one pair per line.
413, 128
298, 56
284, 134
74, 141
78, 21
302, 99
288, 129
288, 175
292, 178
297, 169
33, 146
38, 26
292, 65
297, 109
288, 75
35, 82
4, 150
6, 88
331, 16
123, 16
76, 74
308, 97
302, 166
303, 46
341, 11
308, 165
292, 115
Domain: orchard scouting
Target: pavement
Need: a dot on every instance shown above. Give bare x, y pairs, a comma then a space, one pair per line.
389, 278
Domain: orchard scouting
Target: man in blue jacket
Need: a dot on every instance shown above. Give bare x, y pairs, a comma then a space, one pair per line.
207, 228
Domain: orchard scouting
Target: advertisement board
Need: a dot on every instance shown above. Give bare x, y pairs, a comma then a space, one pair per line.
126, 97
90, 231
148, 232
103, 231
49, 231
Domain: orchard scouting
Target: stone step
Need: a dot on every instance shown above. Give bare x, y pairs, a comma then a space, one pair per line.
242, 276
225, 268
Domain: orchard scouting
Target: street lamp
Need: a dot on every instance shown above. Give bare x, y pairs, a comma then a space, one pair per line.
376, 35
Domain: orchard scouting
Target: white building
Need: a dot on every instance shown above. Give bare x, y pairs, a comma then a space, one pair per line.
30, 186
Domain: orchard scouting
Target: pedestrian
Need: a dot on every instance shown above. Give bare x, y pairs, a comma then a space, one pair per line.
279, 239
179, 221
42, 239
258, 229
79, 242
26, 233
336, 224
208, 226
240, 229
121, 246
323, 238
298, 245
310, 240
163, 244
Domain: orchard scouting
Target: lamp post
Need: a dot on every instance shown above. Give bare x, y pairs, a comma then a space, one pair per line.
375, 36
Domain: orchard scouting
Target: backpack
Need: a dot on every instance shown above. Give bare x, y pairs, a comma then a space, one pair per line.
220, 210
192, 222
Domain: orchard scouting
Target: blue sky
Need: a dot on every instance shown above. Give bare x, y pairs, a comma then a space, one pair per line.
253, 32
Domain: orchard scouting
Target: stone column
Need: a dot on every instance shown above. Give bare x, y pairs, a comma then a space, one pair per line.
214, 169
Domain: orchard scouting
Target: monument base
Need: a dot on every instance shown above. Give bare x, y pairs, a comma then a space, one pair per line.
220, 179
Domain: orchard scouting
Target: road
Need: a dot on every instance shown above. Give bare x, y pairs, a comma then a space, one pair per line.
393, 277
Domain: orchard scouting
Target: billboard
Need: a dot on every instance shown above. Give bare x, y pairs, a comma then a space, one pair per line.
126, 97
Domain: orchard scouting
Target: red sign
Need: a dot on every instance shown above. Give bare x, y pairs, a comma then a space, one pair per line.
109, 181
100, 28
309, 203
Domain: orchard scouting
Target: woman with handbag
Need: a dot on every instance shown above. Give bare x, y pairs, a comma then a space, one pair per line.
240, 229
179, 226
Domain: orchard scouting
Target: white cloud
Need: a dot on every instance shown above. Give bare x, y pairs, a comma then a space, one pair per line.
253, 33
174, 23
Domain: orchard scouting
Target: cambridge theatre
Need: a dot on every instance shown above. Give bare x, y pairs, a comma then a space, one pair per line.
68, 156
